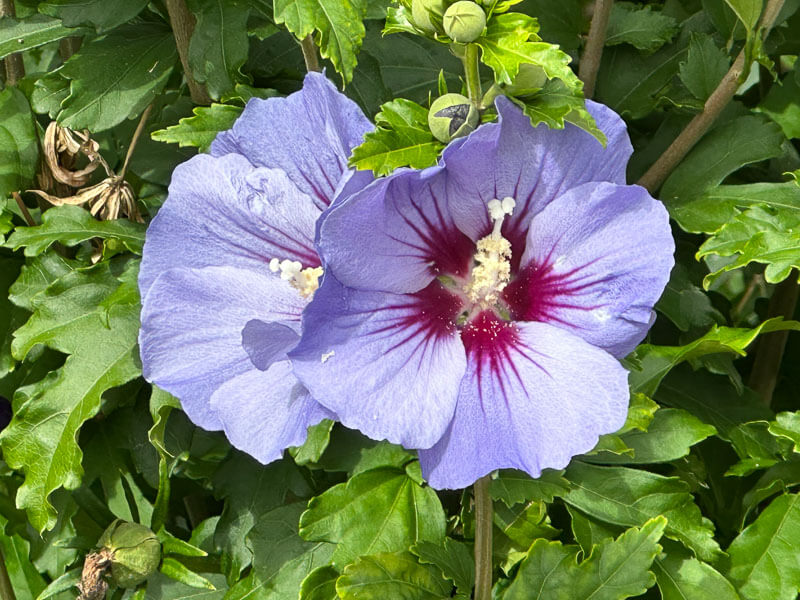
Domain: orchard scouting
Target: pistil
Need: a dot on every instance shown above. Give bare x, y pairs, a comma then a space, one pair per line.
492, 270
306, 281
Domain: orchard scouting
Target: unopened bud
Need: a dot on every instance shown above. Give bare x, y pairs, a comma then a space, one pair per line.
452, 116
422, 10
134, 551
530, 79
464, 21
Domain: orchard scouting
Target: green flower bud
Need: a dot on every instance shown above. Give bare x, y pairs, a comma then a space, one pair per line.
464, 21
452, 116
421, 11
530, 79
134, 550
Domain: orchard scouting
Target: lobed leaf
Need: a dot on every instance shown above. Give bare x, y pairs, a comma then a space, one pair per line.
201, 129
388, 575
639, 26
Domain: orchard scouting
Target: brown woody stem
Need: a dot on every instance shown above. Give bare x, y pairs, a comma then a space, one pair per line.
713, 107
15, 68
24, 210
593, 53
769, 351
135, 139
183, 22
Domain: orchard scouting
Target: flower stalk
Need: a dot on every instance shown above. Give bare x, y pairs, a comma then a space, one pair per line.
483, 538
310, 54
472, 74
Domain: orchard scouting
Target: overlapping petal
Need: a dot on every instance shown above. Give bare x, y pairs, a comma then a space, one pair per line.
596, 261
401, 234
308, 135
533, 165
532, 401
223, 212
386, 364
264, 412
192, 323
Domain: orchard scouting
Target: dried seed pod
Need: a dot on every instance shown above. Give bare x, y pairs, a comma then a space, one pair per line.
134, 552
61, 146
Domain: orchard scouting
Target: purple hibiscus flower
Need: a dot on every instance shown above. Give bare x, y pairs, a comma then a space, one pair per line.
477, 309
229, 265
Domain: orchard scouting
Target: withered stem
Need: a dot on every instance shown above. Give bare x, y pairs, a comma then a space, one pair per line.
183, 22
310, 54
593, 53
24, 210
716, 103
135, 139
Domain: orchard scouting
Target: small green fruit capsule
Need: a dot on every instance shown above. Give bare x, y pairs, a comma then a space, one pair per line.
421, 11
464, 21
135, 552
452, 116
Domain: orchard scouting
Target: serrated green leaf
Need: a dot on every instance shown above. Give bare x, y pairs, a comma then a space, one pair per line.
320, 584
727, 148
179, 572
787, 424
72, 225
656, 361
685, 303
250, 490
37, 30
219, 44
161, 587
49, 92
705, 66
41, 439
378, 510
514, 487
388, 575
338, 23
680, 576
115, 77
201, 129
516, 528
719, 205
103, 14
777, 479
317, 440
756, 235
65, 582
748, 11
453, 558
282, 560
589, 532
764, 562
669, 436
615, 570
21, 572
19, 144
555, 105
640, 26
401, 139
37, 275
781, 104
629, 497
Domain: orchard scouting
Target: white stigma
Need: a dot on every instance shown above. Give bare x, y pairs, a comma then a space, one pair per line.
306, 281
492, 272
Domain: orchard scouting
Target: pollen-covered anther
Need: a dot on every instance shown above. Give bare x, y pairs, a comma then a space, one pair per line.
306, 281
492, 270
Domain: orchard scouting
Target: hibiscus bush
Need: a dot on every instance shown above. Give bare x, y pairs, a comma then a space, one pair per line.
399, 299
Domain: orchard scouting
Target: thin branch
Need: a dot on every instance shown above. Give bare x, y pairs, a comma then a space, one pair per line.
6, 589
310, 54
769, 352
183, 22
714, 106
590, 60
483, 539
24, 210
15, 68
135, 139
69, 46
